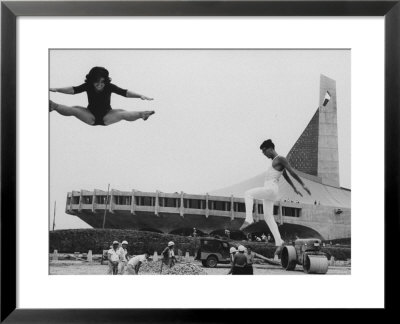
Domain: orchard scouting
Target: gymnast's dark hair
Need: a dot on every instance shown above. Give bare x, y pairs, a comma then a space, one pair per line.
96, 73
267, 144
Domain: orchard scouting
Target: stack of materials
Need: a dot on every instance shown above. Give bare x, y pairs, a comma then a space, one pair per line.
154, 268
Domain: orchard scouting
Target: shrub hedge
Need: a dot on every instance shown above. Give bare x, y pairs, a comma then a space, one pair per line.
97, 240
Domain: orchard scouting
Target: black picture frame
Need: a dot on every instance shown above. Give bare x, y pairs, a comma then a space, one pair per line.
11, 10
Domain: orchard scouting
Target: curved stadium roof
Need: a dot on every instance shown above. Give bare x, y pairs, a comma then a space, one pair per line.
321, 193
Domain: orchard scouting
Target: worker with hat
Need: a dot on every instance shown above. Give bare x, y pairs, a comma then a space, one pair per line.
123, 257
113, 255
250, 260
232, 252
169, 254
239, 262
135, 263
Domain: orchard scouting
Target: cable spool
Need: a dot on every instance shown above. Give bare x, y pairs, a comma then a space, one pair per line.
315, 264
288, 257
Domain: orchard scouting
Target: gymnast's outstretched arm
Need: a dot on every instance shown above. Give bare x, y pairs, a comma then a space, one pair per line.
66, 90
289, 169
131, 94
289, 181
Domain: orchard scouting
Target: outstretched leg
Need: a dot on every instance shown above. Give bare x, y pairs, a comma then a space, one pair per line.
249, 196
81, 113
268, 207
116, 115
249, 203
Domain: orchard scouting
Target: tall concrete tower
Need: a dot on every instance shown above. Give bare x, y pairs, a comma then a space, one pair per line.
316, 150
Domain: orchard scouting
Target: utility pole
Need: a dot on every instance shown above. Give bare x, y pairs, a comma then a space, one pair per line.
54, 217
105, 209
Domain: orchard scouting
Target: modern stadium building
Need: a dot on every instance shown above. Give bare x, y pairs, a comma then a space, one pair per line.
326, 214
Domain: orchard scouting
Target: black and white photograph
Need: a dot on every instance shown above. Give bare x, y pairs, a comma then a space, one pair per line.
199, 162
153, 152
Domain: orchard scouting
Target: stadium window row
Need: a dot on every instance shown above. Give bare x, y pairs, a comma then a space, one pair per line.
176, 203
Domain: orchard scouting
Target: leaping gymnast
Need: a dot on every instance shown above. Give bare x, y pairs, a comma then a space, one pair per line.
99, 88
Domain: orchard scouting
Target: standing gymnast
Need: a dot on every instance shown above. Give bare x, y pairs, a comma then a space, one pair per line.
269, 193
99, 88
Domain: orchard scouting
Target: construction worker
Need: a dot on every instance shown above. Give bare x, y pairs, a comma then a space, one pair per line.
123, 257
113, 258
169, 255
232, 252
228, 233
239, 262
134, 263
250, 261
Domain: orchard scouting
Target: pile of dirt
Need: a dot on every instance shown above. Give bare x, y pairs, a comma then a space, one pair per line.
186, 268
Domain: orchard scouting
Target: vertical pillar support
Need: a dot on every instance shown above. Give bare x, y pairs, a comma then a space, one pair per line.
94, 201
133, 203
182, 208
111, 201
70, 202
80, 201
256, 215
207, 209
157, 203
232, 208
280, 212
68, 205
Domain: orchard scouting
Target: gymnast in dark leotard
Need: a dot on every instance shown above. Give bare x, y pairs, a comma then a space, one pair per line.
99, 88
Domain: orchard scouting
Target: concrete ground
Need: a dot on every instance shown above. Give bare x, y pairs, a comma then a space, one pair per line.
84, 268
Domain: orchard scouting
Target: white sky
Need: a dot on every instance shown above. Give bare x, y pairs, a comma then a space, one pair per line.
213, 109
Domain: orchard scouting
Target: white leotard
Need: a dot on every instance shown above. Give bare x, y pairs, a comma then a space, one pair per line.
268, 194
272, 174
